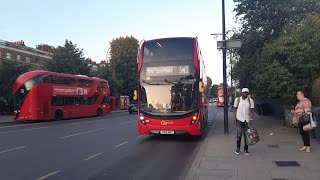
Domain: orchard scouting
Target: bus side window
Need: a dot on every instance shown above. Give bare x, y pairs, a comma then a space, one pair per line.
46, 79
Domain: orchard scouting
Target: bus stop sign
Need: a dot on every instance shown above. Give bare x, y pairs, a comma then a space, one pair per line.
230, 44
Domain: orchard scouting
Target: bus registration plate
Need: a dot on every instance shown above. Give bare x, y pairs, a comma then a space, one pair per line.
166, 132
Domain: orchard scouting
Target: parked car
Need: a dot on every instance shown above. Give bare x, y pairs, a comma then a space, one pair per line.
133, 107
213, 100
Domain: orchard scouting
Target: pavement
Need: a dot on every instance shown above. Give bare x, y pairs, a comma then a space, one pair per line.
216, 159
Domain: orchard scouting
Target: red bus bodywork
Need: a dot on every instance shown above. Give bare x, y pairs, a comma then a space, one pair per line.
191, 121
220, 101
43, 95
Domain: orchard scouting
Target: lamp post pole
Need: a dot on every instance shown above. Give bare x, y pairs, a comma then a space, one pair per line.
224, 52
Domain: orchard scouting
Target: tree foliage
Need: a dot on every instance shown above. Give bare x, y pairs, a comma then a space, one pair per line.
68, 59
290, 63
273, 42
9, 72
123, 65
45, 47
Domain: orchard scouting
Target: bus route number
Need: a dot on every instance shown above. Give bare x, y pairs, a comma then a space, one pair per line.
183, 69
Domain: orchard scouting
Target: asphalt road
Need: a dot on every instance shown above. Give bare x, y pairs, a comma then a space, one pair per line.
96, 148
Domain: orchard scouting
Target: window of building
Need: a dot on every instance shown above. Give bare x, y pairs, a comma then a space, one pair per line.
18, 57
35, 61
28, 59
8, 55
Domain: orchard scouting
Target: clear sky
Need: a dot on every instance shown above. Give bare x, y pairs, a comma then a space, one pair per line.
93, 24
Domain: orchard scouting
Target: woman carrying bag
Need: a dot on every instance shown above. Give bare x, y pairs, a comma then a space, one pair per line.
304, 105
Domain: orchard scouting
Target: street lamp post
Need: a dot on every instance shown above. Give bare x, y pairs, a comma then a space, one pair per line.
224, 53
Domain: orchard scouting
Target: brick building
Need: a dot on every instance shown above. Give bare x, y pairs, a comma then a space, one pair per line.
19, 52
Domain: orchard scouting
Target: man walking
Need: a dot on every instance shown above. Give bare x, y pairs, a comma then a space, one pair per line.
243, 115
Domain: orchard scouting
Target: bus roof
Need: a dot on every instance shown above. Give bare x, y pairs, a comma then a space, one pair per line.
31, 74
170, 38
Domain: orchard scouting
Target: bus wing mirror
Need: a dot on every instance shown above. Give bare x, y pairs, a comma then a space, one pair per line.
135, 95
201, 88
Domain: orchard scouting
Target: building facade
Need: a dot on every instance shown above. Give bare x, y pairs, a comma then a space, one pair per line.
19, 52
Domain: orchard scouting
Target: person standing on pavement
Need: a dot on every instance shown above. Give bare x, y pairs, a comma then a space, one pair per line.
243, 115
304, 105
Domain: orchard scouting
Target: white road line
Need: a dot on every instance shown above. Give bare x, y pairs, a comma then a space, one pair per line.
17, 125
121, 144
6, 132
48, 175
93, 156
82, 133
128, 122
12, 149
84, 122
139, 136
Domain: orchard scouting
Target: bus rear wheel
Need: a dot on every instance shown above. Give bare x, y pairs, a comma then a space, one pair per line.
58, 115
99, 112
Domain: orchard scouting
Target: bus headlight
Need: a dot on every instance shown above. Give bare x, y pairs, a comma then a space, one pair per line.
194, 119
142, 119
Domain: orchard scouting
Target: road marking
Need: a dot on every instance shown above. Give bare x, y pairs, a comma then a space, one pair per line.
121, 144
139, 136
6, 132
83, 122
48, 175
17, 125
93, 156
82, 133
12, 149
128, 122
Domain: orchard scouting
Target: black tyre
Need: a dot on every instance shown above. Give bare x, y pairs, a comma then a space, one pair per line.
99, 112
58, 115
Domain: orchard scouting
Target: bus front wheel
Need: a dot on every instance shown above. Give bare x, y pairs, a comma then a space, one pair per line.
58, 115
99, 112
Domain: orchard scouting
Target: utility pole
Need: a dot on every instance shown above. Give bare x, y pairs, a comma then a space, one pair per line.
224, 52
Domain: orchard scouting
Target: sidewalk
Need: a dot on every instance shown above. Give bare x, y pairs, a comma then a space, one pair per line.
216, 159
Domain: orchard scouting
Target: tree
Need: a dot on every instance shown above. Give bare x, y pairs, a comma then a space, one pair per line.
291, 62
214, 90
68, 59
9, 72
262, 23
46, 47
123, 63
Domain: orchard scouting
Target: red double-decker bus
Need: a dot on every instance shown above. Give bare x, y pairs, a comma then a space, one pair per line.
43, 95
220, 101
171, 87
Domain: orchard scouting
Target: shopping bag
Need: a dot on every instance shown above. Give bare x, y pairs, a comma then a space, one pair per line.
252, 136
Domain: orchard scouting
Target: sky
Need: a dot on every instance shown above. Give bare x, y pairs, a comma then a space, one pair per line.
93, 24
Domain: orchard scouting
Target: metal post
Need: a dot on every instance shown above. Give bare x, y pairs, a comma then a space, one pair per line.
224, 49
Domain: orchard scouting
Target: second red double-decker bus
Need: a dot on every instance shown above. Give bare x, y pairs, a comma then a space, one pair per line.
220, 100
42, 95
172, 81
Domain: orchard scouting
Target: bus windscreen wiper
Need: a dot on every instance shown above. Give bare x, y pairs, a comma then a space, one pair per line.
167, 81
151, 83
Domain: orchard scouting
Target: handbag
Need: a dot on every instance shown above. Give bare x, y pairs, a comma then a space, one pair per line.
311, 125
305, 118
252, 136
